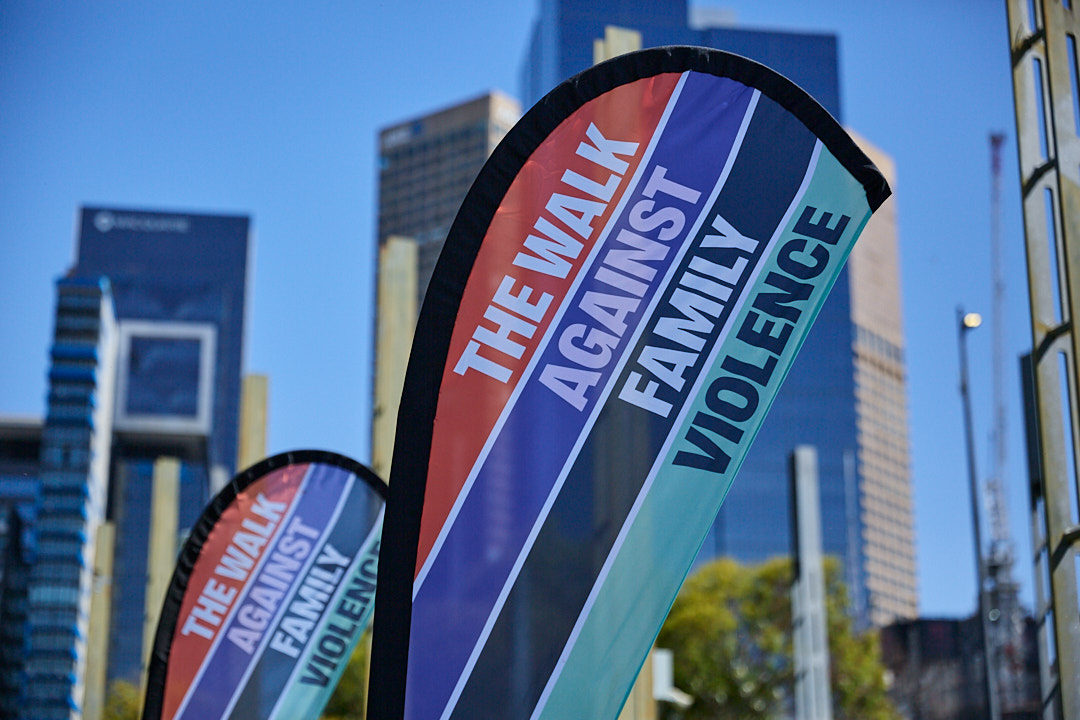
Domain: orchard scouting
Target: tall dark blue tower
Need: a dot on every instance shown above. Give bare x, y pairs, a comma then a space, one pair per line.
179, 288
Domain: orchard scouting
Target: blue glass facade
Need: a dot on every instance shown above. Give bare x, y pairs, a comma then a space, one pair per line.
175, 268
145, 362
20, 453
562, 44
14, 605
817, 404
73, 478
132, 489
151, 359
179, 287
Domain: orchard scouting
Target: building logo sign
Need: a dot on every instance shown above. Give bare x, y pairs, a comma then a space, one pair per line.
106, 221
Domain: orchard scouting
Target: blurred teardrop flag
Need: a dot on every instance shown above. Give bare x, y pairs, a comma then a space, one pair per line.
272, 591
620, 296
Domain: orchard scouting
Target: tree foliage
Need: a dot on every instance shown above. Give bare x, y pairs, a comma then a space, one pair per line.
122, 701
731, 633
348, 701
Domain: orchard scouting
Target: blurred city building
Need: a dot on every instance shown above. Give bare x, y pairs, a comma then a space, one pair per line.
885, 503
141, 428
426, 166
179, 286
937, 671
75, 455
20, 464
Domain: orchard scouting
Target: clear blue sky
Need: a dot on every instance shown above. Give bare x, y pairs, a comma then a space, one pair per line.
272, 109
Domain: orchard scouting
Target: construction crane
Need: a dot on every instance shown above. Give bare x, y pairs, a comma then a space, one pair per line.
997, 508
1004, 612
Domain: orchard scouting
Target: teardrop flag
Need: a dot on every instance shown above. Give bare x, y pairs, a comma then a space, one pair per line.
272, 591
620, 296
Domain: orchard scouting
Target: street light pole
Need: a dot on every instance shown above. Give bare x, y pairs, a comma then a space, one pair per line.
966, 322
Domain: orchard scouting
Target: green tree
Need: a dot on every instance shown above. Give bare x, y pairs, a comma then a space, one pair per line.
349, 700
731, 634
122, 701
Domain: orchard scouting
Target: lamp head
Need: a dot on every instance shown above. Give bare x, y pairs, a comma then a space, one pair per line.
971, 321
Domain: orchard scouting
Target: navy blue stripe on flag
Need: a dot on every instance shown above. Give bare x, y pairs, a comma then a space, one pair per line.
572, 546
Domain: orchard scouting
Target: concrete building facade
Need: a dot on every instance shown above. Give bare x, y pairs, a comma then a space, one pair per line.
426, 166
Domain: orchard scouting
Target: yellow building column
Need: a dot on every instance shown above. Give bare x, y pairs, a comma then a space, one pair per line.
616, 41
395, 323
254, 398
97, 654
161, 551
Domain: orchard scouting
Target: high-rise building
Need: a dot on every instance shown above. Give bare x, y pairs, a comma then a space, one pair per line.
884, 498
426, 166
75, 452
179, 285
846, 392
141, 429
563, 35
20, 468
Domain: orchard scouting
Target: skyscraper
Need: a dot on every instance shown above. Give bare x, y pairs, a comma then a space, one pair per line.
179, 287
20, 468
75, 453
561, 44
885, 501
426, 166
849, 377
146, 364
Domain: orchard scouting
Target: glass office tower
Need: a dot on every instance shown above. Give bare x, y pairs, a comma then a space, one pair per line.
179, 286
829, 398
561, 44
145, 364
426, 165
20, 466
179, 290
74, 470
